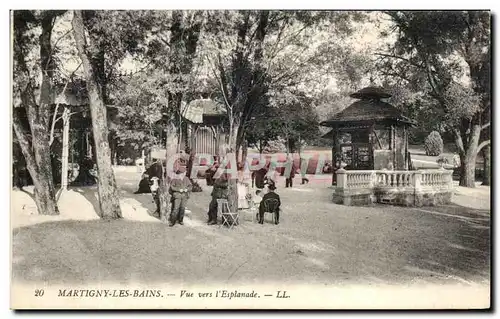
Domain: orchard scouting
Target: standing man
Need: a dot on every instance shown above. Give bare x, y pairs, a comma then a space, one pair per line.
303, 170
180, 189
210, 172
220, 191
290, 169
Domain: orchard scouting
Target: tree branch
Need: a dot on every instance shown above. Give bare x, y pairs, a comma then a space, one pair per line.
459, 142
483, 144
220, 79
485, 125
399, 58
54, 119
59, 39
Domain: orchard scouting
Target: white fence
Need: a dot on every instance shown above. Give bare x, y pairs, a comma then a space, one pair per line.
436, 178
429, 186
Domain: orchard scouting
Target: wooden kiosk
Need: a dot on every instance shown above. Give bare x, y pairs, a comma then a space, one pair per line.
370, 134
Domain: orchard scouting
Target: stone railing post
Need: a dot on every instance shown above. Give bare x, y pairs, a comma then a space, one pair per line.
417, 184
450, 179
341, 178
373, 179
417, 180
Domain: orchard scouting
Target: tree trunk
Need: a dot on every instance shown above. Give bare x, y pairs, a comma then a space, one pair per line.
169, 169
292, 145
183, 41
287, 146
487, 166
468, 172
244, 152
107, 189
112, 151
191, 143
468, 156
232, 185
236, 151
65, 150
37, 150
42, 178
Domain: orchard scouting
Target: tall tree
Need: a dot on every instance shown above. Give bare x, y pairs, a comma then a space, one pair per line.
450, 51
255, 53
35, 100
242, 79
115, 37
184, 32
107, 189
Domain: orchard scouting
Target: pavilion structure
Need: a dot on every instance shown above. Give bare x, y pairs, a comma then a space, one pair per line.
371, 158
370, 133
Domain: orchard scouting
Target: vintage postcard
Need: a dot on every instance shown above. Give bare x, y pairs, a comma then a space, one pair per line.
250, 159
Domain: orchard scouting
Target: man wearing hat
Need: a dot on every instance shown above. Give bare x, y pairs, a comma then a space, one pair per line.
180, 189
210, 172
219, 191
262, 207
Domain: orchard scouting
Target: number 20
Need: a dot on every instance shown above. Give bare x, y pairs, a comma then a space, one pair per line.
39, 292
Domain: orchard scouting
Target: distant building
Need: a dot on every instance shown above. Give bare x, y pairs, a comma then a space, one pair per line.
203, 128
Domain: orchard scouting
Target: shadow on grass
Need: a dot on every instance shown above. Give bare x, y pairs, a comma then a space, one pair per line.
32, 196
464, 253
461, 212
90, 194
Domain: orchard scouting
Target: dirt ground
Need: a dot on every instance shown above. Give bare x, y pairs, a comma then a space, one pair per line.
317, 242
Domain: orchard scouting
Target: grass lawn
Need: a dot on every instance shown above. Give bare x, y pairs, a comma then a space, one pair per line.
317, 242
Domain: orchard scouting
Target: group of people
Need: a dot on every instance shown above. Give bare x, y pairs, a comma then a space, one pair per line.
246, 199
259, 177
181, 188
265, 189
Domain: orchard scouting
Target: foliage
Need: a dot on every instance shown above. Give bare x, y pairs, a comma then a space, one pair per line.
296, 118
258, 55
443, 160
140, 107
261, 129
446, 56
433, 144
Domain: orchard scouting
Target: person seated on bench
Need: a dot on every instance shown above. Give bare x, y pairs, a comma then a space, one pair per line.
258, 178
155, 170
144, 185
270, 204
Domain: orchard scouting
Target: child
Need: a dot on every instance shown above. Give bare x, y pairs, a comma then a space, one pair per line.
258, 198
256, 202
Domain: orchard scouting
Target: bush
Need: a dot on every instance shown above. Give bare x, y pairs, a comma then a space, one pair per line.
433, 144
443, 161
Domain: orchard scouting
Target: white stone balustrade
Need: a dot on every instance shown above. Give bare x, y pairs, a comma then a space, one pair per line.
394, 179
408, 187
391, 179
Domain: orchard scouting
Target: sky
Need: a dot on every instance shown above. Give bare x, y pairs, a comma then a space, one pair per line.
365, 38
